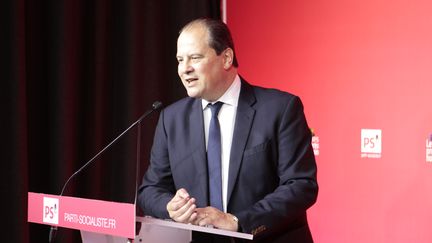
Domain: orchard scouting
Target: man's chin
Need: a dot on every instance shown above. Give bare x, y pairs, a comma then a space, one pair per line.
193, 94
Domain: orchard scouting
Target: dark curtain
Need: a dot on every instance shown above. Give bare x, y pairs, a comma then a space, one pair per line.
74, 75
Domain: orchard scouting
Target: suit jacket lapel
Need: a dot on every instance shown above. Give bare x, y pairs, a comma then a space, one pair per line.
199, 154
243, 124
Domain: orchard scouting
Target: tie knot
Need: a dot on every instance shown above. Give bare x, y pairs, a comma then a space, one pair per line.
215, 108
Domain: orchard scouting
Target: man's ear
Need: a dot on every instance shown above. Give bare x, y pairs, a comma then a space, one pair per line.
228, 58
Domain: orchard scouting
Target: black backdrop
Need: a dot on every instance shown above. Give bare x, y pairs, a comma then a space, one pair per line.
74, 74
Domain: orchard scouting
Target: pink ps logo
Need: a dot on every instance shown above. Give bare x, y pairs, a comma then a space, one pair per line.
429, 149
50, 210
371, 143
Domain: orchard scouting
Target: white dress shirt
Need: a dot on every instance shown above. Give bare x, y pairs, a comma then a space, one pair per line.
226, 118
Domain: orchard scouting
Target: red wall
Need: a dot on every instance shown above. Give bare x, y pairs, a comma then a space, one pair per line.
356, 65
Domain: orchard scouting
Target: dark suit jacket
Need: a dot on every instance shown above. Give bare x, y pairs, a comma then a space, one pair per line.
272, 173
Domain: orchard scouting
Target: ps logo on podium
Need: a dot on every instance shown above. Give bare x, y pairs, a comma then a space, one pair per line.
50, 210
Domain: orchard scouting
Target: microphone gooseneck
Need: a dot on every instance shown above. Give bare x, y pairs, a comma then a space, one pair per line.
155, 106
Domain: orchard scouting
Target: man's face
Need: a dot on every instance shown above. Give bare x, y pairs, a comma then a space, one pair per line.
200, 69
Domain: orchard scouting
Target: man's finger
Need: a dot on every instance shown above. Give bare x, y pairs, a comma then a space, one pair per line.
184, 213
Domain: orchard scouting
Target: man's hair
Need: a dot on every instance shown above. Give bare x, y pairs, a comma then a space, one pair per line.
219, 35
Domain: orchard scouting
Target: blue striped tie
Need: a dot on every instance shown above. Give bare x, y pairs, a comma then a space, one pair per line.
214, 158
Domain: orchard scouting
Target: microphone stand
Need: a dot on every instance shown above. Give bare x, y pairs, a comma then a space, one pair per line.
155, 106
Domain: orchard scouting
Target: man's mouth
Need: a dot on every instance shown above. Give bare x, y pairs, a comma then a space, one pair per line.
189, 80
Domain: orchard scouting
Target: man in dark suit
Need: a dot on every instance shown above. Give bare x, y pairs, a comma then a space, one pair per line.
266, 169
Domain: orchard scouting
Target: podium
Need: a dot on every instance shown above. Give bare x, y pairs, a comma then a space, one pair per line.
111, 222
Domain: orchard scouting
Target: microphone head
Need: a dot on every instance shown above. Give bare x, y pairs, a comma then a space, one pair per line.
156, 105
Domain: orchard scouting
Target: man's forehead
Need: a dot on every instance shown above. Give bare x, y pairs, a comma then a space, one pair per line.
192, 41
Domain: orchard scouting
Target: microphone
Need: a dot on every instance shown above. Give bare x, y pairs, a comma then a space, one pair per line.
155, 106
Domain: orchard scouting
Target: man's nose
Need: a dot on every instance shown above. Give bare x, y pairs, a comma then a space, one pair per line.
186, 67
189, 69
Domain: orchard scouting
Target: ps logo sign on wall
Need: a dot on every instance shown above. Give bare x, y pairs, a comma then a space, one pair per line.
429, 149
315, 142
371, 141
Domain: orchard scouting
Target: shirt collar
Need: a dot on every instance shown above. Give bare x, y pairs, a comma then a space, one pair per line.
231, 95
